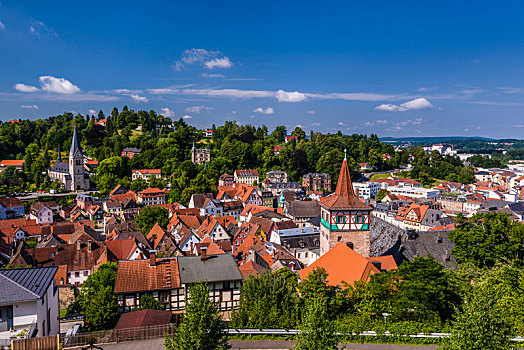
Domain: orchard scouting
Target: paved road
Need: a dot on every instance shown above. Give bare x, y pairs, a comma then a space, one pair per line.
158, 343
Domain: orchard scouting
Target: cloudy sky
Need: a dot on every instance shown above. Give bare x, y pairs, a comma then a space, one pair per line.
395, 68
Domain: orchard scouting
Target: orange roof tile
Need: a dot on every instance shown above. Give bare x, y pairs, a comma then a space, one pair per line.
138, 275
344, 196
342, 264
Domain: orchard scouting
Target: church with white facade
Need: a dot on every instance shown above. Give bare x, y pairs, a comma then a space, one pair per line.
71, 174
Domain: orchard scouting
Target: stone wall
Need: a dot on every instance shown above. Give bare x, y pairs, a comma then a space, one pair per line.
66, 295
384, 236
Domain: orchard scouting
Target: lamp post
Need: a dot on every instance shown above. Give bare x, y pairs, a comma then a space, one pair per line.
385, 314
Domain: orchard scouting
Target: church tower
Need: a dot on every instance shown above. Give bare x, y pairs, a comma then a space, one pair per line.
76, 165
344, 218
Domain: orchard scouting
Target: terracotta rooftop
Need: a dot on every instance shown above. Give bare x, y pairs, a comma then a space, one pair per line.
138, 275
344, 196
342, 264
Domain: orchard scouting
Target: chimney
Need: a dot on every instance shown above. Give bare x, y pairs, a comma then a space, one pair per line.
152, 257
203, 253
377, 264
78, 245
89, 246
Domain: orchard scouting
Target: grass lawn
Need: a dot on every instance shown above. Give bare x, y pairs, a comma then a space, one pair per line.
380, 176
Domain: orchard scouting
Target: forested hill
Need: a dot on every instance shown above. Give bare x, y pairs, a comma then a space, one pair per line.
166, 144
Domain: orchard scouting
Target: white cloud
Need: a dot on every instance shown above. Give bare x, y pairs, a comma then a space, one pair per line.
268, 110
2, 26
207, 59
300, 126
398, 126
382, 121
25, 88
311, 112
197, 109
418, 103
233, 93
223, 62
425, 89
212, 75
92, 111
58, 85
32, 30
187, 117
341, 123
127, 91
29, 106
369, 123
283, 96
166, 112
315, 124
138, 98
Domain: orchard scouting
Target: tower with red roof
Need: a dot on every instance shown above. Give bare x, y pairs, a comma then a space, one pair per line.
344, 218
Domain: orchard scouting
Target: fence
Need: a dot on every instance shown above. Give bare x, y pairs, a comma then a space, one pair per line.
118, 335
41, 343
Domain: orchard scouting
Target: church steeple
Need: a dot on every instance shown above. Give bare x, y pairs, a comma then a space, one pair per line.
59, 154
75, 144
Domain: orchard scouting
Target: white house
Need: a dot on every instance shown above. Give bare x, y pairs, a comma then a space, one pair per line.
248, 177
41, 213
28, 301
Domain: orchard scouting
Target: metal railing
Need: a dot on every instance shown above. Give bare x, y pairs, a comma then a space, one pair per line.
151, 332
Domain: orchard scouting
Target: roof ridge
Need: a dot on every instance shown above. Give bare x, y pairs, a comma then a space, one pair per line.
19, 285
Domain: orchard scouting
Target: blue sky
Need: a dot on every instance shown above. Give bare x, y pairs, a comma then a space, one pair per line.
395, 68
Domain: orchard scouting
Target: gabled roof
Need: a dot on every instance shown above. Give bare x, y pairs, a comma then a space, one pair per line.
304, 209
25, 284
121, 249
342, 264
147, 171
246, 172
11, 202
344, 196
139, 276
12, 162
212, 269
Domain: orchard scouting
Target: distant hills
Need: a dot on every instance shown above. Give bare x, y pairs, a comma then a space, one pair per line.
437, 139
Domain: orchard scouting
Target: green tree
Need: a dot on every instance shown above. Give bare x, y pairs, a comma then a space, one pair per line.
381, 194
97, 300
147, 301
482, 325
201, 327
149, 216
485, 239
299, 133
268, 300
317, 330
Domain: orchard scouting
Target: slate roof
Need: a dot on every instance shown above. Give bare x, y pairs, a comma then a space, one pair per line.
25, 284
213, 269
200, 198
430, 243
61, 167
304, 209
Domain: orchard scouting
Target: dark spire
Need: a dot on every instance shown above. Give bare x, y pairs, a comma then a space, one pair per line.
59, 155
75, 144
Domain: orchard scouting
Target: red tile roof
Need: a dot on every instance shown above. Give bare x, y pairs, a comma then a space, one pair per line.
12, 162
139, 276
148, 171
344, 196
143, 318
342, 264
